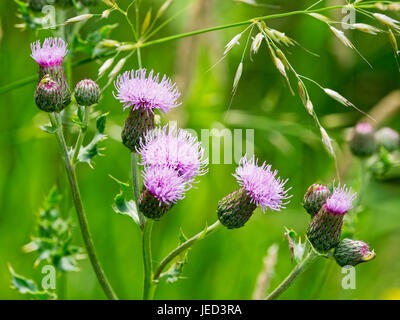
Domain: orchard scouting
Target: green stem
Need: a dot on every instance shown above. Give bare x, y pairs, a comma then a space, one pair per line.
184, 246
147, 262
81, 136
56, 122
136, 187
299, 269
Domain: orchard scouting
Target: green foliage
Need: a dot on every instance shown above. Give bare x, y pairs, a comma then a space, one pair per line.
296, 247
29, 288
92, 149
52, 237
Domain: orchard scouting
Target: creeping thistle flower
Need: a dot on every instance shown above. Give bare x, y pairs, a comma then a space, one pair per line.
163, 187
315, 198
87, 92
260, 187
49, 57
142, 95
362, 141
388, 138
325, 228
48, 95
352, 252
173, 148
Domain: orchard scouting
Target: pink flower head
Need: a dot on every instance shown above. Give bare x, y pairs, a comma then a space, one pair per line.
341, 200
51, 53
264, 188
173, 148
164, 184
136, 90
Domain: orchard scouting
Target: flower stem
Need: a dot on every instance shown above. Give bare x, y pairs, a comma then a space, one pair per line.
56, 122
147, 263
81, 136
299, 269
184, 246
136, 187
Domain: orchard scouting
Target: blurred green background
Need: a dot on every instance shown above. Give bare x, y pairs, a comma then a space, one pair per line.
226, 264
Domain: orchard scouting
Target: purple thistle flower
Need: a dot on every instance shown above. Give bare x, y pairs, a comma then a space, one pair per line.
176, 149
341, 200
136, 90
261, 184
164, 184
51, 53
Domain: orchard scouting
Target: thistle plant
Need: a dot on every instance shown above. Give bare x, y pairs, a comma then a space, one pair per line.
170, 159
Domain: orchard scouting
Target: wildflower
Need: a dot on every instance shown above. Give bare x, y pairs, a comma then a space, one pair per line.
352, 252
362, 141
173, 148
87, 92
259, 188
49, 57
388, 138
143, 95
48, 95
315, 198
163, 187
325, 228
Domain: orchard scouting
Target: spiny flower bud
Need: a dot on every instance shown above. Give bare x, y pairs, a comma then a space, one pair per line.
235, 209
388, 138
352, 252
315, 198
48, 95
163, 187
136, 125
259, 187
362, 141
87, 92
325, 228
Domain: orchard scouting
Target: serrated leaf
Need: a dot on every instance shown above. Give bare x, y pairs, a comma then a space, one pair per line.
28, 287
92, 149
123, 206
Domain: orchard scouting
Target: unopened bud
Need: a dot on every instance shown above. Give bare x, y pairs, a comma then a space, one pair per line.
315, 198
352, 252
388, 138
87, 92
362, 141
139, 121
49, 95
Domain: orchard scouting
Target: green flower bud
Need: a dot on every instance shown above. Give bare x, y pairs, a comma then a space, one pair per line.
388, 138
151, 207
136, 125
48, 95
362, 142
352, 252
87, 92
235, 209
315, 198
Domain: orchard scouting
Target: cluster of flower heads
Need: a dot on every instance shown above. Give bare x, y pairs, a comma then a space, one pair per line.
260, 187
137, 91
327, 209
172, 158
